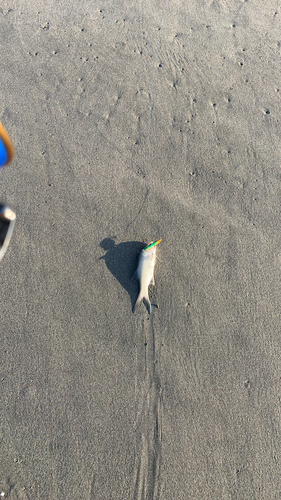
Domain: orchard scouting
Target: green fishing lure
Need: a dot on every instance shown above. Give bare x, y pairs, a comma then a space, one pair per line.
152, 245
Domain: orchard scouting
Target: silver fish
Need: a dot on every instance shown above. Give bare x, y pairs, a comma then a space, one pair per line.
144, 273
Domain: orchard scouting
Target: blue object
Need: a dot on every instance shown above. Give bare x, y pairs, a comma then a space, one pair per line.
3, 154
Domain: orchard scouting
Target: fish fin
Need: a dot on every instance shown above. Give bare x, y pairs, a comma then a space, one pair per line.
148, 304
139, 301
135, 275
152, 282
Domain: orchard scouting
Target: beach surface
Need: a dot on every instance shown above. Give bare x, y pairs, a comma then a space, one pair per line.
134, 121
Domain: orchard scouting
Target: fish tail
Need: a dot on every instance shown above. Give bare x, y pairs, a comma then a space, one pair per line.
139, 300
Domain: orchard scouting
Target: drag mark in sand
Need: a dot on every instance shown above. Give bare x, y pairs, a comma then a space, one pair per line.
148, 421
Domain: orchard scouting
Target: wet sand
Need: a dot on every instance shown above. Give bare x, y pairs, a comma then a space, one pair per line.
133, 122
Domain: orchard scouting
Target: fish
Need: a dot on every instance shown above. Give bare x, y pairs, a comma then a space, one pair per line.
144, 273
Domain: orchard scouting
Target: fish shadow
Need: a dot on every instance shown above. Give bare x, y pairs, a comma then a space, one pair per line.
122, 262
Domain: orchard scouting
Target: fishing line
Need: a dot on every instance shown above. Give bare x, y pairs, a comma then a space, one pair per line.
150, 110
155, 64
151, 103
